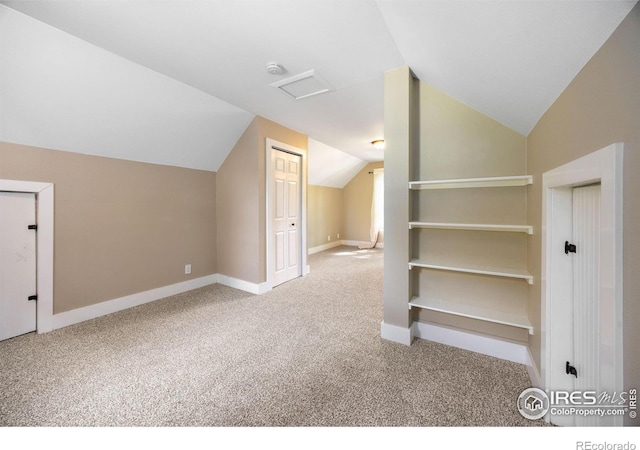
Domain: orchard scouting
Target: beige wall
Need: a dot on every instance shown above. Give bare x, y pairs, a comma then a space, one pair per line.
600, 106
121, 227
345, 211
401, 138
325, 210
357, 204
237, 206
241, 200
457, 141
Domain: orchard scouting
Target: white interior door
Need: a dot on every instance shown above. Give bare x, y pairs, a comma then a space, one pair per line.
576, 338
17, 264
285, 215
585, 327
586, 292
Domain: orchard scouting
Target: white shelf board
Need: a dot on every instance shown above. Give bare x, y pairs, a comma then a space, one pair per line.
481, 270
472, 226
517, 180
472, 312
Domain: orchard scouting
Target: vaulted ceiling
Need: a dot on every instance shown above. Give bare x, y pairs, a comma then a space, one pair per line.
177, 81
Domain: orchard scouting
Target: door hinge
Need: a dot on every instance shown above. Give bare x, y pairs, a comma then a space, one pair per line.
571, 370
33, 227
569, 248
32, 297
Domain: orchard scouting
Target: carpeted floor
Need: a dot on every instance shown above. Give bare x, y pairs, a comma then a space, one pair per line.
308, 353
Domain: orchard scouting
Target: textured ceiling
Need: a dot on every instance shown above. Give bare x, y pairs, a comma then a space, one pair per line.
507, 59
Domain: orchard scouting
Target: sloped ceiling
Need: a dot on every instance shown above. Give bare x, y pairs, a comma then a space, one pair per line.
330, 167
509, 60
59, 92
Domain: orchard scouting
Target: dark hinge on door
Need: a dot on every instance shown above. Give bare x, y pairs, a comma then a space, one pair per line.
33, 227
32, 297
571, 370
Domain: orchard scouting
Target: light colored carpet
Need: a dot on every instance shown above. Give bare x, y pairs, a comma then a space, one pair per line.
308, 353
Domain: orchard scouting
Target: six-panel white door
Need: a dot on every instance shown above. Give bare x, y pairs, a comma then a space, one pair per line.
285, 215
17, 264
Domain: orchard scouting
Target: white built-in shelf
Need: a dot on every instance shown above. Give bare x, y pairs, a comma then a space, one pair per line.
518, 180
473, 312
481, 270
472, 226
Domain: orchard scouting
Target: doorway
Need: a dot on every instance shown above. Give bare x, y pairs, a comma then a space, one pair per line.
582, 279
286, 213
17, 264
44, 197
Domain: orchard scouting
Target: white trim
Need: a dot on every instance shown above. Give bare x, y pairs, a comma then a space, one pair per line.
532, 370
396, 334
605, 166
247, 286
355, 243
321, 248
269, 143
118, 304
44, 246
478, 343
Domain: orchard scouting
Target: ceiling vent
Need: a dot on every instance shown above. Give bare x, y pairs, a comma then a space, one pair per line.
304, 85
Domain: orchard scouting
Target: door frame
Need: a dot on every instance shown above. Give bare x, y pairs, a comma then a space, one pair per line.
44, 246
304, 268
606, 167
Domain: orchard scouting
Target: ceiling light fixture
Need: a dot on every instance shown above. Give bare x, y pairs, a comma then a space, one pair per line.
378, 144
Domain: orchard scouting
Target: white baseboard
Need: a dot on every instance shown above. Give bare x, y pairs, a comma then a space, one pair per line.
247, 286
74, 316
532, 369
321, 248
396, 334
486, 345
348, 243
355, 243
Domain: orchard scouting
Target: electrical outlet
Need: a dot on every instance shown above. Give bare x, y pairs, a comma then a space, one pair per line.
187, 269
328, 238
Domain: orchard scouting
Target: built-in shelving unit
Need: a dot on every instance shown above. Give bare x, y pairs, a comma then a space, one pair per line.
472, 312
473, 226
423, 299
517, 180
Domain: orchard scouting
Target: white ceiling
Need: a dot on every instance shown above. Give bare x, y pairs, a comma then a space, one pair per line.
508, 59
59, 92
331, 167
